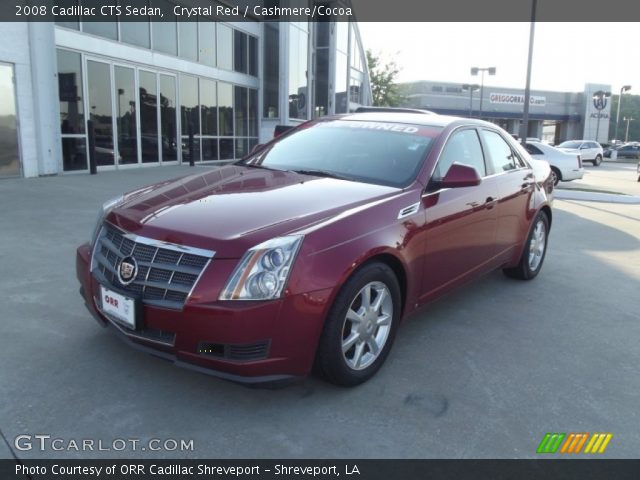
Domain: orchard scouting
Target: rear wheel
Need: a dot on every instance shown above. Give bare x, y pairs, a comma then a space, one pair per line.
555, 175
534, 251
597, 161
361, 326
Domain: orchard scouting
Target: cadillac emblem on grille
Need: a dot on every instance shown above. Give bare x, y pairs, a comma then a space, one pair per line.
127, 270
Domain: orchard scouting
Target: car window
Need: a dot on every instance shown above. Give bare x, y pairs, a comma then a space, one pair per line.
371, 152
533, 150
500, 155
462, 147
570, 144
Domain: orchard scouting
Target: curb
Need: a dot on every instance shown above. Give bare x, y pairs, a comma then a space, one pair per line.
569, 194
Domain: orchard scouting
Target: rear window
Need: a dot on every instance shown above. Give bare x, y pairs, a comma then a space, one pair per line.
570, 144
372, 152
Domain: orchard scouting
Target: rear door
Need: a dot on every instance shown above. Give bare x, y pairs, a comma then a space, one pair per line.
461, 222
516, 184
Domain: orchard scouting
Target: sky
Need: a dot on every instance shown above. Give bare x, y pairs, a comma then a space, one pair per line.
565, 55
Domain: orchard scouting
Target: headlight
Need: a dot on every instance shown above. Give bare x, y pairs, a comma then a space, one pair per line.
103, 212
263, 271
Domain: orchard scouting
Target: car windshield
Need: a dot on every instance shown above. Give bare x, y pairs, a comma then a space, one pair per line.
372, 152
570, 144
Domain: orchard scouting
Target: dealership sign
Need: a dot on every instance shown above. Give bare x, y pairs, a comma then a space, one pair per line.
514, 99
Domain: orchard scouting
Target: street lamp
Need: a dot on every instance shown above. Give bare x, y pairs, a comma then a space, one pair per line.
599, 101
626, 136
470, 88
490, 71
625, 88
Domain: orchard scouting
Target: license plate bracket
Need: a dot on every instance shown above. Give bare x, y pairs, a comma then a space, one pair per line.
127, 311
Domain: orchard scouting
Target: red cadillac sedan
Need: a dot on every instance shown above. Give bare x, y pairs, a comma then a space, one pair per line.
312, 249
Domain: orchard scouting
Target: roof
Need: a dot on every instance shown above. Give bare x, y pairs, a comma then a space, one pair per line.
432, 120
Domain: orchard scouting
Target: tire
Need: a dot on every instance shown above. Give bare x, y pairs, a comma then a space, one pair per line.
532, 258
356, 340
597, 161
556, 175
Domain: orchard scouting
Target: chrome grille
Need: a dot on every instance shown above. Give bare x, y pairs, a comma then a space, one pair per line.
166, 272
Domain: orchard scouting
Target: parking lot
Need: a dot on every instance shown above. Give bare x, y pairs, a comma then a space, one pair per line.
482, 373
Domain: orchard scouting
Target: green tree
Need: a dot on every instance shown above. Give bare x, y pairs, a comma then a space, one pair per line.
382, 76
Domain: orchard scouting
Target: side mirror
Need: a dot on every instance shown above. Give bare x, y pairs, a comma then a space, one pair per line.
459, 176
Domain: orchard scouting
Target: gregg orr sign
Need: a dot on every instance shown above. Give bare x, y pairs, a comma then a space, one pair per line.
515, 99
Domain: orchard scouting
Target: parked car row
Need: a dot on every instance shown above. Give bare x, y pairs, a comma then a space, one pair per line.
627, 150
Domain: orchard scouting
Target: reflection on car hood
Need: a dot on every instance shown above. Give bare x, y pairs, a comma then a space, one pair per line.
233, 208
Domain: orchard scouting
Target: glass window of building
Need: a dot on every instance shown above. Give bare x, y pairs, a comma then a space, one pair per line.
209, 115
149, 117
241, 112
225, 109
188, 40
126, 124
208, 107
102, 29
136, 33
75, 25
74, 151
190, 116
240, 51
298, 58
341, 83
271, 70
100, 111
165, 37
227, 150
168, 128
225, 46
207, 43
253, 56
253, 112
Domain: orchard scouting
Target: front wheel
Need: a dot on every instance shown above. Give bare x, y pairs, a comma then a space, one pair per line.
556, 176
597, 161
534, 251
361, 326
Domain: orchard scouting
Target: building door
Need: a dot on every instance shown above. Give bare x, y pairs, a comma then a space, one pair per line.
9, 149
100, 110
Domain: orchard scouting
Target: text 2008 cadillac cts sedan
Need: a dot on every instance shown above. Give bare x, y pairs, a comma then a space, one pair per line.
313, 248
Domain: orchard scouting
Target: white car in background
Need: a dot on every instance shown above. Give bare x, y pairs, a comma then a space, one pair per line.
564, 166
589, 150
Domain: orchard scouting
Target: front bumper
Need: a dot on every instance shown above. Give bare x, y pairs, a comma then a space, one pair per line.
248, 342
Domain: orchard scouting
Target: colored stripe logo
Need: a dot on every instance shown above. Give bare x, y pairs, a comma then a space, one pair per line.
574, 443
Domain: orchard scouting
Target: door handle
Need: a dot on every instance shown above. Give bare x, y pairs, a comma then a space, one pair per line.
489, 203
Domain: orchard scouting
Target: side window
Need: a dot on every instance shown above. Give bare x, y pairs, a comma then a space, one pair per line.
532, 150
462, 147
499, 152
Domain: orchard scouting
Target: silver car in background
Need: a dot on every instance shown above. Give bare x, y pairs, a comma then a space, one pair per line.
564, 166
589, 150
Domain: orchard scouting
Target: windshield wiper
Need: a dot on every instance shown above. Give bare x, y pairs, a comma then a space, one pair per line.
322, 173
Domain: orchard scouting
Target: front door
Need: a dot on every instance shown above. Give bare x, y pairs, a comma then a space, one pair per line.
461, 222
9, 149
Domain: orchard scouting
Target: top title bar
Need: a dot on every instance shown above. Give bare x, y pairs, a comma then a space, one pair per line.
317, 10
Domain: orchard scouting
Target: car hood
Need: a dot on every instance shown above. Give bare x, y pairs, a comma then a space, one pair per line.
233, 208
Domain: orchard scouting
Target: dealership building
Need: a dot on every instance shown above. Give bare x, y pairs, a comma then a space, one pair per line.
153, 93
553, 116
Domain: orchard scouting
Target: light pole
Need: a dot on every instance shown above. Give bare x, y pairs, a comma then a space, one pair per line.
625, 88
599, 99
470, 88
490, 71
626, 136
